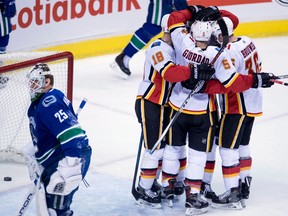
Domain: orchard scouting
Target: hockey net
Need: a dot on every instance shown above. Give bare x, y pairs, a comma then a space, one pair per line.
15, 97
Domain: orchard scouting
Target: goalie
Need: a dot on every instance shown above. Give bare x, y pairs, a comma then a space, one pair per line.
60, 155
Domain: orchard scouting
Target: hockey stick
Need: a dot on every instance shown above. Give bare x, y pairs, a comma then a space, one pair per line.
282, 77
198, 86
279, 82
82, 104
134, 192
33, 189
28, 198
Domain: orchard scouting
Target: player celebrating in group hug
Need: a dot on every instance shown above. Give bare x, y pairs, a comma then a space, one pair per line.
186, 61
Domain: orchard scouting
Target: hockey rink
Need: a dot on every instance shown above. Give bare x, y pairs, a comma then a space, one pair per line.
110, 122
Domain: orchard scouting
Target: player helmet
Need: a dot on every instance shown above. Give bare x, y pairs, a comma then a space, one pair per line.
229, 24
164, 23
36, 80
201, 31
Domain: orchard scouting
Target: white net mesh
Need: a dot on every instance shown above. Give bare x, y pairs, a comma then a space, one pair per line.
15, 98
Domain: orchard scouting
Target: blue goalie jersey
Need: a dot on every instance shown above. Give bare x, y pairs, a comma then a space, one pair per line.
58, 130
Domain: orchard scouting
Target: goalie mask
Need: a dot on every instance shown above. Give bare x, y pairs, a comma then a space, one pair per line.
201, 31
36, 80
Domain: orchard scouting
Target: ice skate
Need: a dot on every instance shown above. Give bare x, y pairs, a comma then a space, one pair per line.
245, 189
119, 67
148, 198
196, 204
207, 191
156, 187
168, 192
179, 188
231, 199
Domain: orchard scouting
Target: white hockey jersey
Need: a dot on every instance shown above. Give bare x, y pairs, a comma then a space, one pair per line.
159, 57
246, 60
187, 53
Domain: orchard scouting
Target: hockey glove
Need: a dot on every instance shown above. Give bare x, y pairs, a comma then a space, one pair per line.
191, 84
202, 72
210, 13
9, 8
35, 169
67, 176
263, 80
194, 9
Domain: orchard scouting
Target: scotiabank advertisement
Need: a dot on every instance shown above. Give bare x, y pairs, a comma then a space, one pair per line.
43, 23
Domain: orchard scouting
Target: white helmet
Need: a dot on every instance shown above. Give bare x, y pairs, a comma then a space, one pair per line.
229, 25
164, 23
201, 31
36, 80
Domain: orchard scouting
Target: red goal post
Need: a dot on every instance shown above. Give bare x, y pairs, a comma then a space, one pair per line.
15, 97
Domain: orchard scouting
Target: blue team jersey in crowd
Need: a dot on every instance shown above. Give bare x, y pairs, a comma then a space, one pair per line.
58, 132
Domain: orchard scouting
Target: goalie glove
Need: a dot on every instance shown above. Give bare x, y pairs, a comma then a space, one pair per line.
35, 169
66, 178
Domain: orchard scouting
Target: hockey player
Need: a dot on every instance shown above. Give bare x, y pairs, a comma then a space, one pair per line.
197, 120
7, 11
238, 113
61, 146
141, 37
206, 189
152, 111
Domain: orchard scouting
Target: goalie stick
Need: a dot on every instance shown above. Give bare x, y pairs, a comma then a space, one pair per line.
37, 183
134, 191
199, 85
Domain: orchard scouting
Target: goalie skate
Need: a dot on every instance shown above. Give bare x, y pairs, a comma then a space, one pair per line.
148, 198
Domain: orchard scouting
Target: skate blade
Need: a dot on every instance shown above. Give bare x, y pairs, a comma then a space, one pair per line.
195, 211
243, 203
151, 205
114, 66
168, 202
236, 206
177, 198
